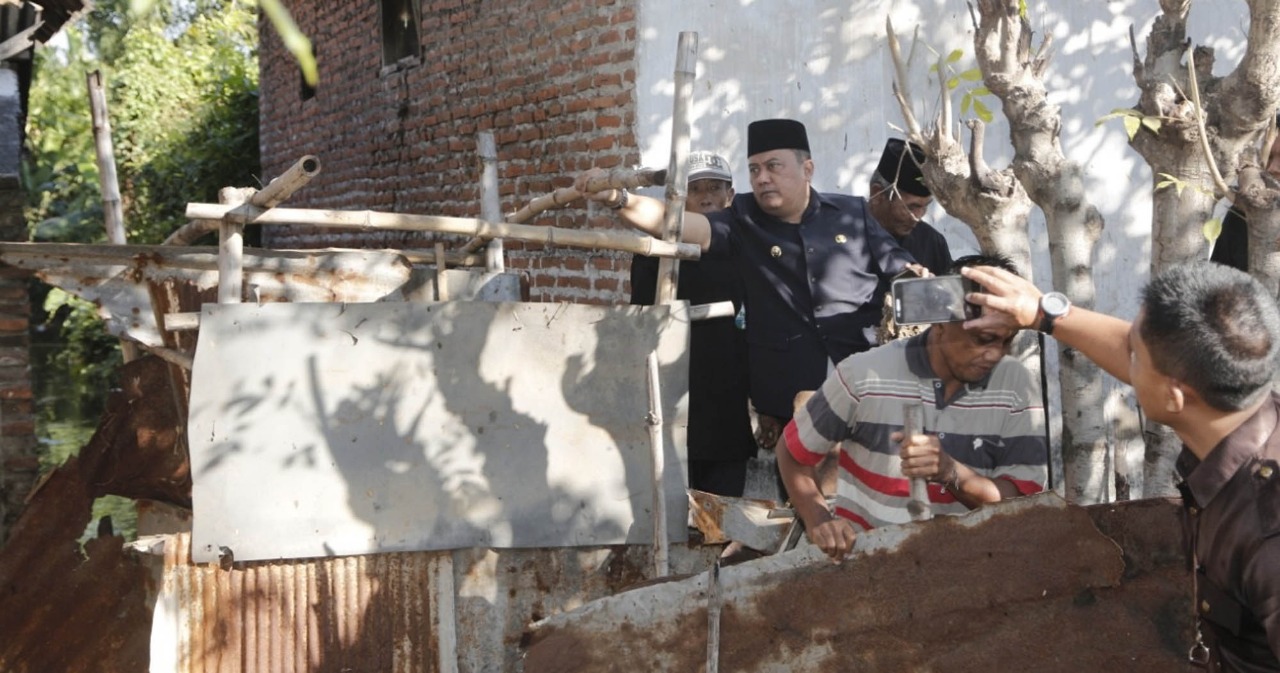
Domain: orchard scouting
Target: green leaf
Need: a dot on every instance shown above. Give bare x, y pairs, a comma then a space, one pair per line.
293, 39
1212, 229
1152, 124
1022, 9
972, 75
965, 101
953, 83
1131, 126
981, 110
955, 55
981, 91
1171, 181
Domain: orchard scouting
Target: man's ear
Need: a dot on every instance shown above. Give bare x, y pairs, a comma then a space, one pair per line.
1176, 396
808, 169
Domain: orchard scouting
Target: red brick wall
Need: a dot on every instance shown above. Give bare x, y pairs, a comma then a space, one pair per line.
18, 462
553, 80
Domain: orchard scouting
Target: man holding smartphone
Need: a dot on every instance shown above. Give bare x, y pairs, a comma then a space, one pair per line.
982, 440
1202, 359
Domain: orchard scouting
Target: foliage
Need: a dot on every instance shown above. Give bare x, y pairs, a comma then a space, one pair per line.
182, 101
1134, 121
89, 355
972, 96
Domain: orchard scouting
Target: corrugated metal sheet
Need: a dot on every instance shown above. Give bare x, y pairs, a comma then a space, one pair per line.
418, 612
356, 613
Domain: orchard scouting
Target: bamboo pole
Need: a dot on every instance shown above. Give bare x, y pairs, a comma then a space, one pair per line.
276, 191
618, 178
661, 566
112, 209
283, 186
230, 250
442, 286
172, 356
678, 169
368, 219
490, 203
190, 321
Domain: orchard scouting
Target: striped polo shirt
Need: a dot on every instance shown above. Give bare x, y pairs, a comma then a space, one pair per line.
995, 427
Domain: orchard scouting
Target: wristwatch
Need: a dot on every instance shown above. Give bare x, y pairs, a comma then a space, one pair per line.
1053, 305
621, 201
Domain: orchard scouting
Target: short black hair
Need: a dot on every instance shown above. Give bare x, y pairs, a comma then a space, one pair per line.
986, 259
1215, 328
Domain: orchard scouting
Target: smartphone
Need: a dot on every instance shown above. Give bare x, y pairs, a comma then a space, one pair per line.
918, 301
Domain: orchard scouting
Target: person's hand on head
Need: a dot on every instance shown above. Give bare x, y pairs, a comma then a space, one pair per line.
1008, 300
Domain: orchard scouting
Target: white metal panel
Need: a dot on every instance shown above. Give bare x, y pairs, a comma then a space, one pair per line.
332, 429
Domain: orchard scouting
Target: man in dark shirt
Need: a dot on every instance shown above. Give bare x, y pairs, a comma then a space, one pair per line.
899, 198
720, 441
815, 267
1232, 246
1201, 357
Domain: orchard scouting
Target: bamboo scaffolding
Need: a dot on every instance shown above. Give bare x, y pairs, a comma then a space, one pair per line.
490, 202
276, 191
367, 219
190, 321
673, 218
661, 566
618, 178
231, 249
112, 208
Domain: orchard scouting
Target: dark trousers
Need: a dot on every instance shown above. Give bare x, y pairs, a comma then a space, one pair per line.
722, 477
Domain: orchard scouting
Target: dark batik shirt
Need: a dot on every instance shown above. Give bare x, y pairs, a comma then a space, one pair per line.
1232, 502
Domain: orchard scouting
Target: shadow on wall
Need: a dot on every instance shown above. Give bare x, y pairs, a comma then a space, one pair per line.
336, 430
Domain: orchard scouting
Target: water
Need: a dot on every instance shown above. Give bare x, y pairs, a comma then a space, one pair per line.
67, 410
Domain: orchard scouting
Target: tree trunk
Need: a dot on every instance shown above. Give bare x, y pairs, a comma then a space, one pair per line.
1200, 146
1011, 71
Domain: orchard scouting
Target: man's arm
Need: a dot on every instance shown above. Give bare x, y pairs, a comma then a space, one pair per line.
646, 213
830, 533
1014, 301
922, 456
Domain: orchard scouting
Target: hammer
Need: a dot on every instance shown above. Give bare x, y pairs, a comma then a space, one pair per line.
918, 506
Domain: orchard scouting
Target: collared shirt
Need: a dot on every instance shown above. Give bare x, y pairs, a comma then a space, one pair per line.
994, 426
814, 290
1232, 502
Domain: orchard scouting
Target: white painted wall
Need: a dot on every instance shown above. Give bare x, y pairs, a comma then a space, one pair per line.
827, 63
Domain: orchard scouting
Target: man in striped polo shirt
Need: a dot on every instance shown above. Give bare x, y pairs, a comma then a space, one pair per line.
982, 439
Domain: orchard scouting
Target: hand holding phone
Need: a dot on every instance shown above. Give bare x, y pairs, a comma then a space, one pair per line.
918, 301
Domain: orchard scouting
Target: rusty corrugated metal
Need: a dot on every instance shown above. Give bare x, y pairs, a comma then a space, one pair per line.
355, 613
463, 611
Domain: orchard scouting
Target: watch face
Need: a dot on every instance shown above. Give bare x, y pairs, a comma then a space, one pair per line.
1055, 303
